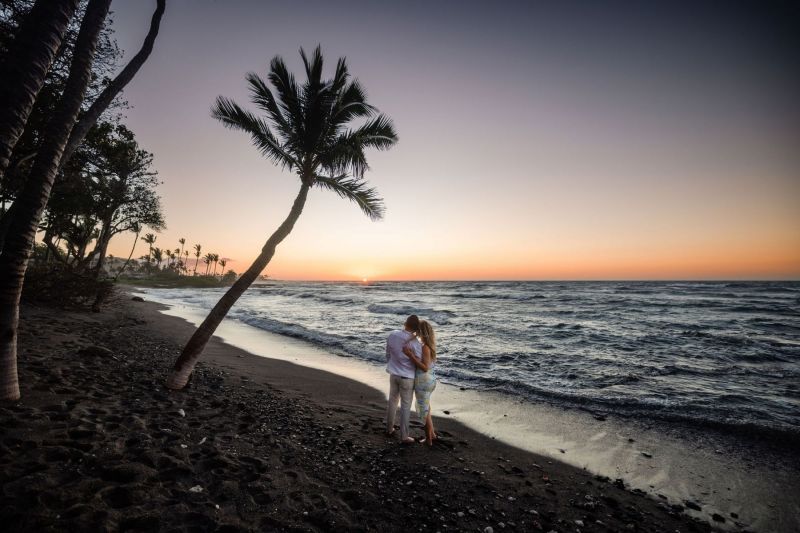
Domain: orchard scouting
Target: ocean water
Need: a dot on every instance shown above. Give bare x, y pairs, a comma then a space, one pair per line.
716, 352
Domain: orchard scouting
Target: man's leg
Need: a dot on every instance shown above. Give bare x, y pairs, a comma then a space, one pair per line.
391, 405
406, 396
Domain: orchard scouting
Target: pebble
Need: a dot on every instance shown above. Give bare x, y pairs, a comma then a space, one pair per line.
196, 488
181, 412
488, 529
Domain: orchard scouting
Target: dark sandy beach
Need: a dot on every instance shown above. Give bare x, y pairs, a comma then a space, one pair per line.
97, 443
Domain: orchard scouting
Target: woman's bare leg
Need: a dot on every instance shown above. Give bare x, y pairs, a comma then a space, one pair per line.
429, 429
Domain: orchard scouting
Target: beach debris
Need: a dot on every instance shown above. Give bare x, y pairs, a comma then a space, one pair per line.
182, 412
562, 450
196, 489
203, 440
137, 299
631, 440
648, 455
716, 517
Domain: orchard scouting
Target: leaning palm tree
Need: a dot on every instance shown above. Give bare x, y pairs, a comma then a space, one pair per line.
307, 129
25, 65
222, 264
197, 252
208, 259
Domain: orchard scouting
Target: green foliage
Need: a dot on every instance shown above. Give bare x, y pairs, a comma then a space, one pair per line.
58, 285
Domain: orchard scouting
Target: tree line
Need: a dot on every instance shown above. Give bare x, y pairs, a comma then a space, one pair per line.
60, 141
177, 261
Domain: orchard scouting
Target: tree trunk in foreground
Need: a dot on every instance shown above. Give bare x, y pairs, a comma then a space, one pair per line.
191, 352
25, 67
33, 197
122, 269
117, 84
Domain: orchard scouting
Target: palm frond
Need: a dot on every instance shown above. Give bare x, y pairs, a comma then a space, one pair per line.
313, 67
233, 116
377, 133
352, 104
346, 153
288, 92
356, 190
262, 96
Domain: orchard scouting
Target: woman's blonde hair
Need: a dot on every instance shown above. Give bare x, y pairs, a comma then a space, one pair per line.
427, 336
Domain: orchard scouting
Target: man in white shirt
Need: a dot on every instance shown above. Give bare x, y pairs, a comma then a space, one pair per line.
401, 376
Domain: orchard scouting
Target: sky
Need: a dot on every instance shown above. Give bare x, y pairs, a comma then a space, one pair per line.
538, 140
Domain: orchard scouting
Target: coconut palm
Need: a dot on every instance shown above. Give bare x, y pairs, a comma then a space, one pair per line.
182, 241
186, 262
158, 256
197, 249
216, 260
222, 264
150, 239
307, 129
208, 259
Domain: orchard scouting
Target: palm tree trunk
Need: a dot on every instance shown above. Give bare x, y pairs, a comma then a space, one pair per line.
34, 195
122, 269
102, 246
113, 89
191, 352
25, 68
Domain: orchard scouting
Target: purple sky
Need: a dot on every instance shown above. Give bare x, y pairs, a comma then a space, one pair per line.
537, 140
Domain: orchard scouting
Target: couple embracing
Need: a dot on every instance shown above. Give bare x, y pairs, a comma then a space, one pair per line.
410, 358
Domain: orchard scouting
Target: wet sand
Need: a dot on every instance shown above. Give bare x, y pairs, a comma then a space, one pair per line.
97, 443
